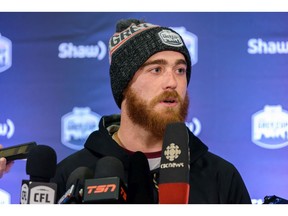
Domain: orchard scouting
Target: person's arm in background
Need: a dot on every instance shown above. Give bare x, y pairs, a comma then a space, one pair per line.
4, 168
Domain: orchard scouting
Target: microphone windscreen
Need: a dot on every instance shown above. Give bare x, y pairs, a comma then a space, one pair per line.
140, 183
78, 177
109, 166
175, 165
107, 186
41, 163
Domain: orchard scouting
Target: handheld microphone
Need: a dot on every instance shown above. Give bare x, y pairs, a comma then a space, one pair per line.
140, 183
74, 186
107, 187
175, 165
41, 166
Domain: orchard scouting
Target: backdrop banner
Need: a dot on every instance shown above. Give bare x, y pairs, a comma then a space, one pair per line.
55, 86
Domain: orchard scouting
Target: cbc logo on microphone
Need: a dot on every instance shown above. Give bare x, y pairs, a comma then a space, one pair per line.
172, 152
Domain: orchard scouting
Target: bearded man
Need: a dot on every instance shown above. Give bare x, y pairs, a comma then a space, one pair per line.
150, 69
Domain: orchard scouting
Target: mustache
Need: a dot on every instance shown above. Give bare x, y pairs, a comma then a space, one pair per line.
165, 96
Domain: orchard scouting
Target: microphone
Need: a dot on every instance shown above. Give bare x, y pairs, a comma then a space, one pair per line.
107, 187
74, 186
140, 183
175, 165
40, 166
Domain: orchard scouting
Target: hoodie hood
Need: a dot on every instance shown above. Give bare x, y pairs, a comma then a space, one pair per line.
105, 145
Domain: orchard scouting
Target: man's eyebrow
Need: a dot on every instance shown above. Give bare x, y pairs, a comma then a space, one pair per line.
181, 61
157, 61
163, 62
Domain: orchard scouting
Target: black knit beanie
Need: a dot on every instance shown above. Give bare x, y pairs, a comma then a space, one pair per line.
132, 44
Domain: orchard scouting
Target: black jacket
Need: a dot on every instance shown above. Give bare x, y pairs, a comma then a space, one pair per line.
213, 180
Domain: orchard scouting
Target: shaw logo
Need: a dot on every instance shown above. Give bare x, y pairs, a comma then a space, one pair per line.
5, 53
191, 42
194, 126
101, 188
5, 197
7, 129
259, 46
69, 50
270, 127
77, 125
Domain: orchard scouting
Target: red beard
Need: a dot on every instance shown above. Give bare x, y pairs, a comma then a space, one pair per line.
143, 114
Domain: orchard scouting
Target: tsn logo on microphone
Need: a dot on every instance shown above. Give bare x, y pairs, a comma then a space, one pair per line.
104, 190
172, 152
101, 188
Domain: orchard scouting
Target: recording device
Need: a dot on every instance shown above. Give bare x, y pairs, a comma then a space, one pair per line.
274, 200
75, 185
41, 166
175, 165
140, 183
107, 187
17, 152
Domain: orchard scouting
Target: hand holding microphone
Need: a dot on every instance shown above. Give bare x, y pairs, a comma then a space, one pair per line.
5, 166
41, 167
9, 154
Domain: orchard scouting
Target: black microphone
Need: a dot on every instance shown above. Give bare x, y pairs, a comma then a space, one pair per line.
74, 186
40, 166
175, 165
140, 182
107, 187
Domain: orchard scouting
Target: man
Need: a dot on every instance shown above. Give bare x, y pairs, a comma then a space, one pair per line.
4, 166
150, 70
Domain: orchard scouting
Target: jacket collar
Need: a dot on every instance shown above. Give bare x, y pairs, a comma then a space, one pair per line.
105, 145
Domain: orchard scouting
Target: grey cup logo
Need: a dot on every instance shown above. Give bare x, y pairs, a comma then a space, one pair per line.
77, 125
270, 127
5, 53
172, 152
170, 38
191, 42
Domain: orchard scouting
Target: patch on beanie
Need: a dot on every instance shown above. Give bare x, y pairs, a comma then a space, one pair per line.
170, 38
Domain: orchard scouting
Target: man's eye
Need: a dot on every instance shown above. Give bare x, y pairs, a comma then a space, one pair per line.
156, 70
182, 70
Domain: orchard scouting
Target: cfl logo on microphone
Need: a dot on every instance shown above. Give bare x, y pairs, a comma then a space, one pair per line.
38, 192
24, 192
41, 195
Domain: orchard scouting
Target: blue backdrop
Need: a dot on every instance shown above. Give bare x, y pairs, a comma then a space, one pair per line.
54, 86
